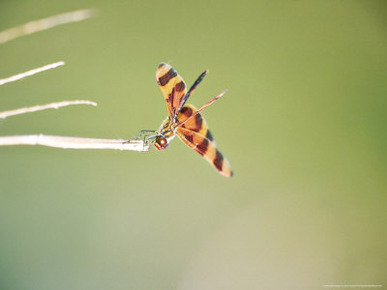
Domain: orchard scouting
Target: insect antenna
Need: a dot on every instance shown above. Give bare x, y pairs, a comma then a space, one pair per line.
210, 102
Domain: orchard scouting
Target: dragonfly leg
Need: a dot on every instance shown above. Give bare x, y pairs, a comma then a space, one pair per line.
147, 136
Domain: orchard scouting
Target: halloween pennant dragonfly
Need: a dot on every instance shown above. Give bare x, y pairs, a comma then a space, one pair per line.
184, 120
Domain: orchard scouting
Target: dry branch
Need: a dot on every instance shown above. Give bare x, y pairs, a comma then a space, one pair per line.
56, 105
31, 72
74, 142
45, 23
48, 140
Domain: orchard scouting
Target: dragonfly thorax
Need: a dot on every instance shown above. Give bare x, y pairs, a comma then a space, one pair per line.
167, 128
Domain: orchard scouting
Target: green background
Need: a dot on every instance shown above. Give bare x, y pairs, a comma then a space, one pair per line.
303, 125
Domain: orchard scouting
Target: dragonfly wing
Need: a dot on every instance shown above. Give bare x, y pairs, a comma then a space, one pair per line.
172, 86
195, 134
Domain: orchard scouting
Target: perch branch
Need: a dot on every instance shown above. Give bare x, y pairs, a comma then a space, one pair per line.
57, 105
45, 23
74, 142
30, 72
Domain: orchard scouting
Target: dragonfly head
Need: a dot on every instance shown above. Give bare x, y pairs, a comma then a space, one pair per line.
161, 142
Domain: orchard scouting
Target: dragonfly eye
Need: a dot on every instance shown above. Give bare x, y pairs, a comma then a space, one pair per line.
161, 143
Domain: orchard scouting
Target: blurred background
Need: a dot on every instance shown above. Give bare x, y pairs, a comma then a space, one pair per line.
303, 125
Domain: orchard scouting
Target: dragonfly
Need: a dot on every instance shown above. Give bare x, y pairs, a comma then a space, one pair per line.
184, 120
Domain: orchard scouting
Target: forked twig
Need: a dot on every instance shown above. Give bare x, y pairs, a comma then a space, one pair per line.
47, 140
45, 23
56, 105
31, 72
74, 142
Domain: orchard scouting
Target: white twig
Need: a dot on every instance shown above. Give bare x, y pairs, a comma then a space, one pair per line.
73, 142
45, 23
57, 105
31, 72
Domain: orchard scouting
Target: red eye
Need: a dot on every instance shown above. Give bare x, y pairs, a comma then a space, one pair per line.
161, 143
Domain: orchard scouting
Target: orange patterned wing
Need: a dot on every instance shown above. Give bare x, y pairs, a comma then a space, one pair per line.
172, 86
195, 134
